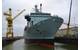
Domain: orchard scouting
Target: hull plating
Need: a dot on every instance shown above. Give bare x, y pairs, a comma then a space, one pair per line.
45, 29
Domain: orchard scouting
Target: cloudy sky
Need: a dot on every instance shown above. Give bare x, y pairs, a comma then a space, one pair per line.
55, 7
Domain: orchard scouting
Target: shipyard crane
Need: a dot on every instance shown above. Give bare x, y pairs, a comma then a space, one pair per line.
9, 18
69, 19
68, 24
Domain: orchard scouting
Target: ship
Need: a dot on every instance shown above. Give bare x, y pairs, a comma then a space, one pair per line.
41, 27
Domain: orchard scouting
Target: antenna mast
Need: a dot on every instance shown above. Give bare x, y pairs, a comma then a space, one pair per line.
40, 7
36, 9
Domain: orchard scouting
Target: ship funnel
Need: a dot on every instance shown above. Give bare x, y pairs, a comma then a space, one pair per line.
40, 7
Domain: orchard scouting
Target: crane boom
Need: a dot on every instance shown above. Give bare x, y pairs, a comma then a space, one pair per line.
19, 14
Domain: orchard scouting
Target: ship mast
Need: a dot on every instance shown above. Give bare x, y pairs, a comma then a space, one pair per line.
38, 10
40, 7
69, 18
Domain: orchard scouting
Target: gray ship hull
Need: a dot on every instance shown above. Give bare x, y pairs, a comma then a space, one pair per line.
45, 29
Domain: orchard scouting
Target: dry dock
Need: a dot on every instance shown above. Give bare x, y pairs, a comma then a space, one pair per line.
66, 40
6, 41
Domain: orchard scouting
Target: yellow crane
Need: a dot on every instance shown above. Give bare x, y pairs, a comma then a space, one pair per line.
9, 18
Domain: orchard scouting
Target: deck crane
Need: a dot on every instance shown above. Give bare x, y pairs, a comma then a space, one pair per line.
9, 18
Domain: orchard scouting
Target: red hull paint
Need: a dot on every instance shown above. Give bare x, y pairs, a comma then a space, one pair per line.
46, 45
